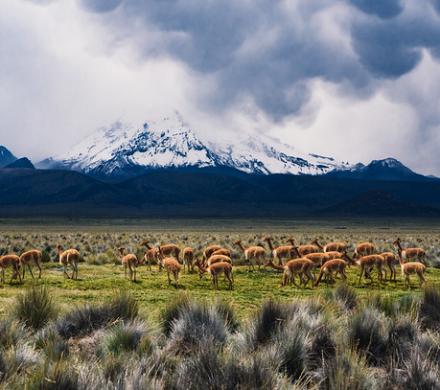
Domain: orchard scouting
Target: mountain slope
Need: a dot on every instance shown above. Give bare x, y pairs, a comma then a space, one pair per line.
386, 169
124, 151
6, 157
21, 163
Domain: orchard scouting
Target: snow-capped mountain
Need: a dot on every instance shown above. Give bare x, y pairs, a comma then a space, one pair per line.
123, 150
6, 157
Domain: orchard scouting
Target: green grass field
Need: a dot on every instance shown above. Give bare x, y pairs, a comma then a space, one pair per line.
101, 274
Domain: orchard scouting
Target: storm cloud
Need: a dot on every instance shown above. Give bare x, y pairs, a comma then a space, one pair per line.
289, 68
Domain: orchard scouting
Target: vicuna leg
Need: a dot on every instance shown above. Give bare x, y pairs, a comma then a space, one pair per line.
30, 271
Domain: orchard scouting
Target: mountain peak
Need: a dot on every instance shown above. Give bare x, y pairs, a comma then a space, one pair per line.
6, 157
126, 150
21, 163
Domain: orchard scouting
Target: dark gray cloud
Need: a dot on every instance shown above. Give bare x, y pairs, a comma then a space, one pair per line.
382, 8
268, 51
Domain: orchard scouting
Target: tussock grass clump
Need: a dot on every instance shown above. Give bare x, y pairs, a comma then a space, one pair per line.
11, 333
346, 295
34, 307
172, 312
84, 320
429, 309
369, 333
197, 326
268, 320
51, 343
126, 337
403, 334
420, 373
225, 310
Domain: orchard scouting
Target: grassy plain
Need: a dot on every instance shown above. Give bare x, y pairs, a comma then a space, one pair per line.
101, 274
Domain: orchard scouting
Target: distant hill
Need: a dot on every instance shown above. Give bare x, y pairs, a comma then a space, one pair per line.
209, 192
386, 169
21, 163
6, 157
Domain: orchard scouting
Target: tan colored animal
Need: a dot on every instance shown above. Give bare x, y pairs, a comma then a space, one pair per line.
69, 257
417, 254
173, 267
219, 259
33, 256
412, 268
282, 252
364, 249
12, 261
215, 270
151, 255
305, 249
130, 262
168, 250
256, 252
330, 268
391, 260
301, 267
209, 250
222, 251
332, 246
367, 263
188, 258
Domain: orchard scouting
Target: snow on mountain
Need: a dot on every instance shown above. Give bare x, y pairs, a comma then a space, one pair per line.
122, 150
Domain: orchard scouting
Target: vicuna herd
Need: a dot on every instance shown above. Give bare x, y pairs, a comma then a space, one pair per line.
297, 262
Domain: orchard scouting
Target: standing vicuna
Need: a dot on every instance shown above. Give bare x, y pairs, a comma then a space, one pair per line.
151, 255
219, 259
364, 249
217, 269
305, 249
33, 256
301, 267
69, 257
168, 250
367, 263
256, 252
412, 268
281, 252
173, 267
12, 261
417, 254
130, 262
391, 260
335, 266
331, 246
188, 258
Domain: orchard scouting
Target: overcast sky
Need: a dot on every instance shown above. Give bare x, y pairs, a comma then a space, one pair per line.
354, 79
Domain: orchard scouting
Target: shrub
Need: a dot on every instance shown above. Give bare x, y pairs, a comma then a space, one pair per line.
368, 332
429, 309
34, 308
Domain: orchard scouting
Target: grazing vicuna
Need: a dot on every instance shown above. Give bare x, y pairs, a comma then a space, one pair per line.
173, 267
215, 270
188, 259
331, 246
305, 249
219, 259
415, 254
33, 256
301, 267
69, 257
168, 250
12, 261
222, 251
412, 268
282, 252
367, 263
209, 250
335, 266
256, 252
391, 260
363, 249
151, 255
130, 262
